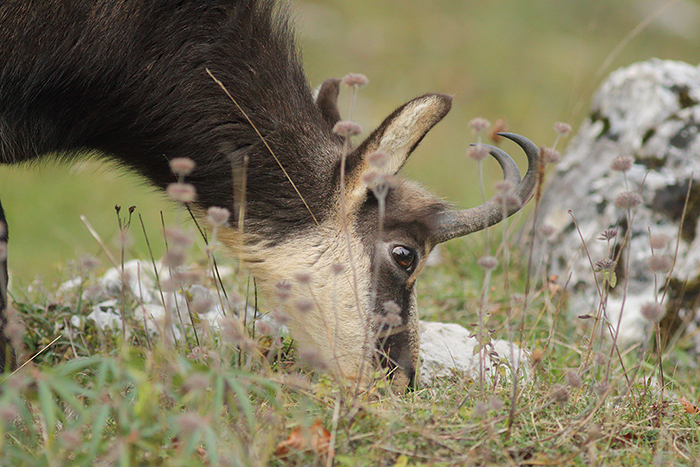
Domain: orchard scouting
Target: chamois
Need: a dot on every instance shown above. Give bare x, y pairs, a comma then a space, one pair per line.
136, 81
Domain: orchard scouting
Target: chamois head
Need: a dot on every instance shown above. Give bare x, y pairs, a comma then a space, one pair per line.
348, 279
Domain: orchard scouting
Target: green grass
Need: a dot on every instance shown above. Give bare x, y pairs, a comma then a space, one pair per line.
92, 397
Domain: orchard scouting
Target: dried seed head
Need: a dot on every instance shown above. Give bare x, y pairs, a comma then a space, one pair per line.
562, 128
283, 290
178, 237
660, 264
88, 262
628, 200
355, 79
606, 264
304, 305
174, 258
369, 178
547, 231
302, 277
652, 311
601, 389
391, 320
217, 216
378, 160
280, 317
559, 394
182, 166
488, 263
608, 235
201, 304
232, 330
478, 152
658, 241
312, 358
600, 358
346, 128
498, 127
503, 186
479, 124
382, 184
573, 379
182, 192
550, 155
391, 308
508, 200
622, 163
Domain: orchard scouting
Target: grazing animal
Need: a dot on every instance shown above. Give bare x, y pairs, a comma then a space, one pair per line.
136, 81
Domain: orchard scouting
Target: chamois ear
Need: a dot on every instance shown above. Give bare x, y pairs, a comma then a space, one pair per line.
327, 100
397, 137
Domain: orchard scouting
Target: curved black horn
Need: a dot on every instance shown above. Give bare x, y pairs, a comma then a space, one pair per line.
453, 224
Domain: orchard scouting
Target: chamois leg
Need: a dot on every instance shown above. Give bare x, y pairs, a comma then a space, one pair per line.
7, 354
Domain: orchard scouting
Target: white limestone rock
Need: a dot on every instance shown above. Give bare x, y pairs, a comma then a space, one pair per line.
447, 349
650, 111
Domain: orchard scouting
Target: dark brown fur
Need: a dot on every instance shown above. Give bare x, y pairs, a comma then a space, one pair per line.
133, 80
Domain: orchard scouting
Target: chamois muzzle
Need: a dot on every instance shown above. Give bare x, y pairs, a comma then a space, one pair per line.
453, 224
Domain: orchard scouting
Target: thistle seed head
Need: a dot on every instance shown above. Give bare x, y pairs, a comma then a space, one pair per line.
283, 290
312, 358
660, 264
550, 156
653, 312
547, 231
355, 79
479, 124
559, 394
378, 160
608, 235
182, 166
302, 277
178, 237
182, 192
86, 262
174, 258
488, 263
391, 308
622, 163
606, 264
573, 379
346, 128
304, 305
503, 186
658, 241
478, 152
562, 129
628, 200
217, 216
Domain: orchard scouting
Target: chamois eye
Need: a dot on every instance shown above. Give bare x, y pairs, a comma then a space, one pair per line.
404, 257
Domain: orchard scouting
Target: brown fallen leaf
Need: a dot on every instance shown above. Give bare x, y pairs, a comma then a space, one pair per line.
689, 407
312, 439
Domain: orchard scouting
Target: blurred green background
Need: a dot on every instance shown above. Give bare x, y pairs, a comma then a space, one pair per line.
531, 63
